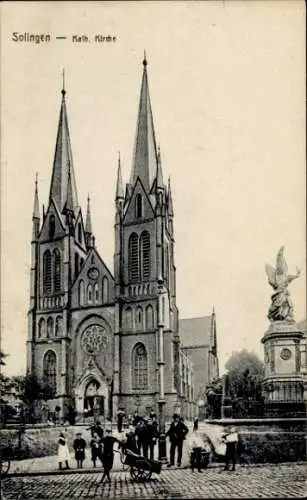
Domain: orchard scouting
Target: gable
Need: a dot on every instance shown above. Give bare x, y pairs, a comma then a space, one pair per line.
59, 228
147, 210
195, 331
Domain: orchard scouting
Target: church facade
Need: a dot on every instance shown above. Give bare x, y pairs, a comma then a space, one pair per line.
106, 341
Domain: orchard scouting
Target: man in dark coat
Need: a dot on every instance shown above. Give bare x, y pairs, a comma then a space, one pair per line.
108, 453
120, 418
142, 438
152, 434
176, 433
79, 447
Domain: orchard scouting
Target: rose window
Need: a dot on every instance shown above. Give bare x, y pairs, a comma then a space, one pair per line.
93, 341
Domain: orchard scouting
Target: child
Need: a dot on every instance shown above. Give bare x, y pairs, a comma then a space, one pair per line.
63, 451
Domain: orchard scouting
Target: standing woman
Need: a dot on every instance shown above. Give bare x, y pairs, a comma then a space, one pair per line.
63, 451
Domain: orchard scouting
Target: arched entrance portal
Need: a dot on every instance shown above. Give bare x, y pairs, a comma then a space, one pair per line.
94, 401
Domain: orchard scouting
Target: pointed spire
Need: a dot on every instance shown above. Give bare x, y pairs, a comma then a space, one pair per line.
119, 183
36, 214
170, 199
213, 310
88, 222
144, 163
160, 184
63, 162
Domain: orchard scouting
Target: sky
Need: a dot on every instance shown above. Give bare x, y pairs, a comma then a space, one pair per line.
227, 87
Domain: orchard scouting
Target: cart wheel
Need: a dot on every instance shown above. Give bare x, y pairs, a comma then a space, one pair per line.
4, 466
140, 471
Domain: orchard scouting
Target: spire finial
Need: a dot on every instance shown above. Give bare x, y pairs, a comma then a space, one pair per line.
36, 179
213, 309
63, 82
118, 158
144, 60
88, 197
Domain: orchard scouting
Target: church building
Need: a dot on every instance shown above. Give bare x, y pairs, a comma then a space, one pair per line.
107, 340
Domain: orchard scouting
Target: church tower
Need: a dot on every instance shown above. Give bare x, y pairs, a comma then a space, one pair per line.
146, 336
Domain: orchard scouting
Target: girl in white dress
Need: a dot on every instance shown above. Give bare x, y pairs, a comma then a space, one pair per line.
63, 451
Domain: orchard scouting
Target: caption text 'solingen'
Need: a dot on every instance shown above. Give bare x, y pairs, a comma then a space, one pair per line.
47, 37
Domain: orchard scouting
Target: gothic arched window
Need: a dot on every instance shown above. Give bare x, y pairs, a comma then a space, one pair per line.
139, 367
133, 257
41, 328
105, 290
89, 294
139, 318
145, 255
149, 318
50, 325
129, 318
81, 292
138, 206
76, 264
50, 370
47, 272
58, 326
51, 226
96, 292
57, 270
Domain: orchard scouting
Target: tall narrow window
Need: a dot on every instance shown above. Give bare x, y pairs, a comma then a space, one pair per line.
105, 290
133, 257
76, 264
129, 318
47, 272
50, 325
79, 233
149, 318
138, 206
139, 367
49, 370
58, 326
89, 294
139, 318
96, 292
51, 226
81, 263
145, 255
41, 328
57, 271
81, 293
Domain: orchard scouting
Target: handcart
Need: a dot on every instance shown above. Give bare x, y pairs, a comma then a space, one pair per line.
141, 468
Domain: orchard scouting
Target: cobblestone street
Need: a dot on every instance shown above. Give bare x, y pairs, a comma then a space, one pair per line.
269, 481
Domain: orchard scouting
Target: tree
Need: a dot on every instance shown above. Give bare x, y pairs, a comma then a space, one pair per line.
32, 391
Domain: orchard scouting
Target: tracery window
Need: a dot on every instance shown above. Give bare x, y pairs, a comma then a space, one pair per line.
138, 206
57, 270
89, 294
105, 290
133, 257
145, 255
96, 292
139, 367
49, 370
47, 273
139, 318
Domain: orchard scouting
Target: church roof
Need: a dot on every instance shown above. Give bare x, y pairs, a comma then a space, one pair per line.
63, 164
195, 331
144, 163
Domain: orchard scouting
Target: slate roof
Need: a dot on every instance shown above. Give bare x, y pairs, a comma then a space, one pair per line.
195, 331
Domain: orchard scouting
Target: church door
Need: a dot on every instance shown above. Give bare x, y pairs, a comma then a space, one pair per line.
93, 402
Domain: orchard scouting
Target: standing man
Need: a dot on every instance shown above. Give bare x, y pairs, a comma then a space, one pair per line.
176, 433
152, 434
108, 453
79, 447
120, 418
195, 444
231, 439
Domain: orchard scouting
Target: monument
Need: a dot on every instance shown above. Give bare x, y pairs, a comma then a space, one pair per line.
283, 385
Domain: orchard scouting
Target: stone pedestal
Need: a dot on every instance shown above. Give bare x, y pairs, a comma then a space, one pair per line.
283, 386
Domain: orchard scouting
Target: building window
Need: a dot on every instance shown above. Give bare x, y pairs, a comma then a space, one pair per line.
139, 318
58, 326
89, 294
57, 270
149, 318
105, 290
41, 328
51, 226
96, 292
76, 264
133, 257
50, 325
145, 255
81, 293
139, 364
79, 233
47, 272
138, 206
49, 370
129, 318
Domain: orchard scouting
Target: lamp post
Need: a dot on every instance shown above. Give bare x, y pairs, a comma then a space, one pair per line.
161, 402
